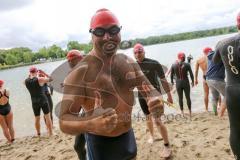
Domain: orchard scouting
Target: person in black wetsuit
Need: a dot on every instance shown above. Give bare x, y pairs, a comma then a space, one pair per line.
34, 85
47, 93
6, 114
228, 51
153, 70
73, 58
181, 69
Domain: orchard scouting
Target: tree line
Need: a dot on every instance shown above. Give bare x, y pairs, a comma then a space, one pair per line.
24, 55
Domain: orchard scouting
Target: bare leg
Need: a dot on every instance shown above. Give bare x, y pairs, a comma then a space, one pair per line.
206, 94
5, 128
223, 108
150, 128
163, 131
48, 123
9, 119
37, 125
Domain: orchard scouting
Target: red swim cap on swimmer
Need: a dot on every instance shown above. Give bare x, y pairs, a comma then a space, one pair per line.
33, 69
103, 17
238, 20
207, 50
138, 48
74, 54
181, 55
1, 83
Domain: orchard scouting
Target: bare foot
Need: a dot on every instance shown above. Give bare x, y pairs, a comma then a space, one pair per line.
150, 140
166, 153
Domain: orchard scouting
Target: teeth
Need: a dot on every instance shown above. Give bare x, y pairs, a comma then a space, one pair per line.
109, 46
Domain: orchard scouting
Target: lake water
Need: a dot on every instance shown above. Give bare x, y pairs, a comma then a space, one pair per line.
164, 53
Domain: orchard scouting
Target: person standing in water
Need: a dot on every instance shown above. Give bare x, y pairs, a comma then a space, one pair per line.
6, 114
180, 70
34, 84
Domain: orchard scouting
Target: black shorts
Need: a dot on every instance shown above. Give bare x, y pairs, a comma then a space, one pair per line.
39, 103
143, 105
4, 110
122, 147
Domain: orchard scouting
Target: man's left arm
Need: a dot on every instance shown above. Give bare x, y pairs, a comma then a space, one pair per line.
164, 82
217, 57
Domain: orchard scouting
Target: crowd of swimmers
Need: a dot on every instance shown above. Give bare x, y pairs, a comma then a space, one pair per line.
101, 84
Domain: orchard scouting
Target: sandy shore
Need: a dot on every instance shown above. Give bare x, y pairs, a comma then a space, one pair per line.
203, 138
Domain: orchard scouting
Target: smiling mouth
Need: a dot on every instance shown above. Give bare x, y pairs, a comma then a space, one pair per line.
109, 47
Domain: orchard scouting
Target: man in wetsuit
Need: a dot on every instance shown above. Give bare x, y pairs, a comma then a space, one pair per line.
202, 64
228, 51
181, 69
153, 70
215, 76
34, 85
102, 84
73, 58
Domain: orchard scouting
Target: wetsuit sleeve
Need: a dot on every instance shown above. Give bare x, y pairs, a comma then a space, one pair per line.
160, 71
172, 73
191, 73
217, 57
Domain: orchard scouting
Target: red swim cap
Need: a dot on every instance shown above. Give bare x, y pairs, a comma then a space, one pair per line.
207, 50
74, 54
103, 17
181, 55
33, 69
1, 82
138, 48
238, 20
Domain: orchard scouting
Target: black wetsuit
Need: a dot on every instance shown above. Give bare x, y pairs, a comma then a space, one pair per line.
228, 50
122, 147
6, 108
39, 99
152, 70
180, 70
49, 98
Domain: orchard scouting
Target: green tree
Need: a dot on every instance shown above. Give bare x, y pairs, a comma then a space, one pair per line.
27, 57
11, 60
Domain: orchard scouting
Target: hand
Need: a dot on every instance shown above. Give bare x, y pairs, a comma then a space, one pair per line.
192, 84
196, 82
154, 103
169, 99
107, 121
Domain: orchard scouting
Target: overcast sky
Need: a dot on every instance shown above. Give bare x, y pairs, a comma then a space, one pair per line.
38, 23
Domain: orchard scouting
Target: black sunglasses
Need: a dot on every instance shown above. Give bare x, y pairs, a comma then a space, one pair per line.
100, 32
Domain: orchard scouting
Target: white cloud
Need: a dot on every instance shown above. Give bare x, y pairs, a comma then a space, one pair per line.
46, 22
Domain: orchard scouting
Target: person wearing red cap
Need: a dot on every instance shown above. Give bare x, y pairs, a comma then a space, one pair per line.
102, 84
202, 64
74, 57
180, 70
34, 84
153, 70
228, 52
6, 114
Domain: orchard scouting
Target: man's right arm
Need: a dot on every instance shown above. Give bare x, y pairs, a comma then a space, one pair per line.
196, 72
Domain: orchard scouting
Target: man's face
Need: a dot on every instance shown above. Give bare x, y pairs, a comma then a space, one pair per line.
139, 55
73, 62
106, 39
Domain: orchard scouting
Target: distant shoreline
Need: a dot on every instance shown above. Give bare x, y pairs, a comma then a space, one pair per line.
28, 64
